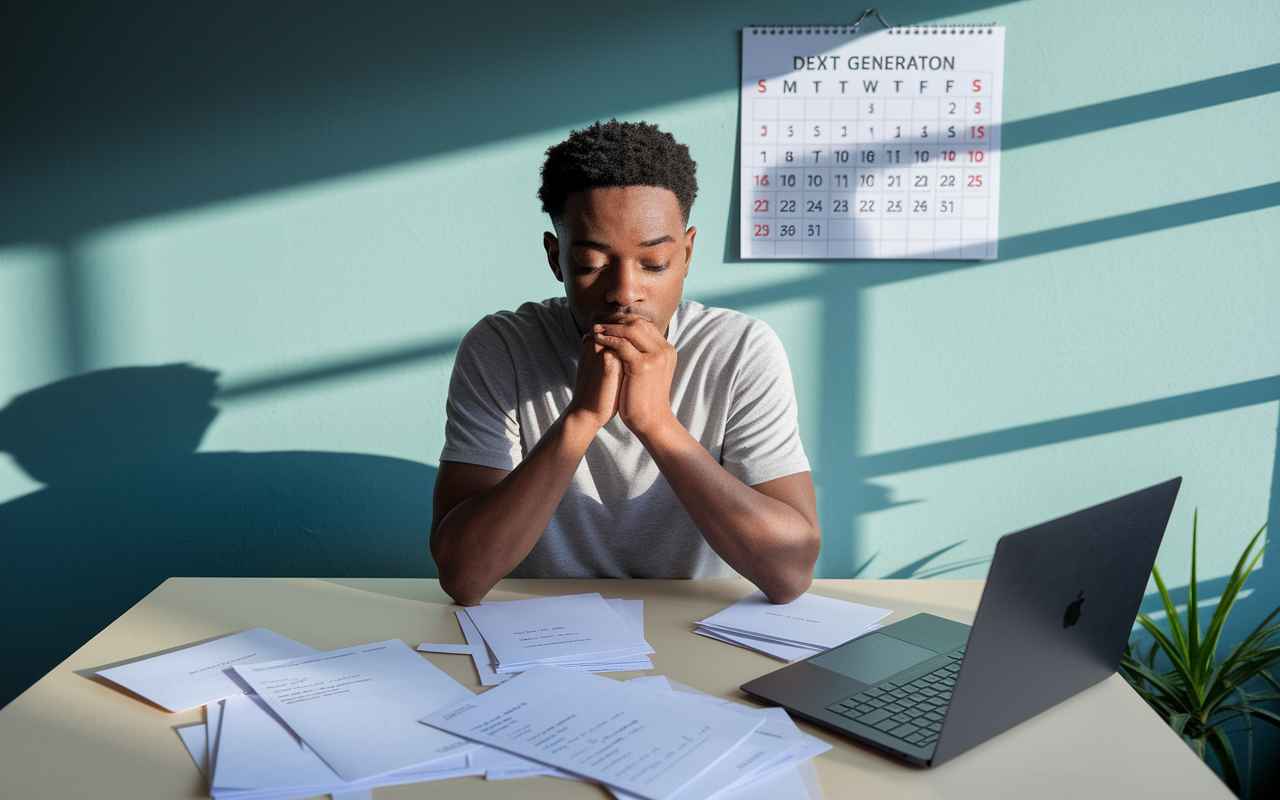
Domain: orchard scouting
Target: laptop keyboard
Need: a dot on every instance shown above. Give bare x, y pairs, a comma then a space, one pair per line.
910, 710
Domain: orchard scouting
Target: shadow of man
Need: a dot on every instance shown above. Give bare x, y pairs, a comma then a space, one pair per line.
128, 503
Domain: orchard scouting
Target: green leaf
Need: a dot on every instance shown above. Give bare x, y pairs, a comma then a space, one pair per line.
1242, 671
1238, 576
1175, 622
1262, 633
1264, 714
1195, 696
1163, 693
1179, 722
1193, 596
1151, 656
1176, 657
1251, 710
1221, 745
1274, 683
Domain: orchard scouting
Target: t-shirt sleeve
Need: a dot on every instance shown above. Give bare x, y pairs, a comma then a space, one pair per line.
762, 432
482, 426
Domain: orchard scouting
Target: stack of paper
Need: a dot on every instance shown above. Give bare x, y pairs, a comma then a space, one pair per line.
346, 721
647, 738
806, 626
201, 674
314, 723
583, 632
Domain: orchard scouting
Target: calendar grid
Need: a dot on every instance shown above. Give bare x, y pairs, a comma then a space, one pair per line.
844, 163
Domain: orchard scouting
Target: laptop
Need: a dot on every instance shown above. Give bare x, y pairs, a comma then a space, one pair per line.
1057, 610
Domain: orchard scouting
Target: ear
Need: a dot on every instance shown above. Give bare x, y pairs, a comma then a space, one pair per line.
552, 246
688, 248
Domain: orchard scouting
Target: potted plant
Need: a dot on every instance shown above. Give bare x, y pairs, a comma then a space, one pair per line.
1199, 694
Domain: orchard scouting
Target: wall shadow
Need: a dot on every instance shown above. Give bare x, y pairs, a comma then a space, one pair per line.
128, 502
1065, 429
126, 112
1142, 107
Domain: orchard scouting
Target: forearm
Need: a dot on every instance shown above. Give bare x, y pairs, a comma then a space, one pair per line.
768, 541
489, 533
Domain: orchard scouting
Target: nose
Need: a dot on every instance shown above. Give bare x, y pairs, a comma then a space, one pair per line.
627, 288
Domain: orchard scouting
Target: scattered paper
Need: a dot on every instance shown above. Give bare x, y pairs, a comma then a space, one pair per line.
785, 652
799, 782
259, 758
640, 741
196, 739
213, 718
809, 621
776, 746
255, 751
499, 765
574, 629
630, 610
358, 707
451, 649
202, 674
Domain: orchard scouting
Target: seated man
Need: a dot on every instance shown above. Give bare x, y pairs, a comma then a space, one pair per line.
620, 431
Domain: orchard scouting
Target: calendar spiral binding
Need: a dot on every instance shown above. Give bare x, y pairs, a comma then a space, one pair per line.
841, 29
975, 29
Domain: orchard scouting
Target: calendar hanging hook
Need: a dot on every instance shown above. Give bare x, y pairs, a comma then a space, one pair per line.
868, 13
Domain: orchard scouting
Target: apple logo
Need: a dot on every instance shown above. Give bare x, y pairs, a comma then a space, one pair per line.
1073, 611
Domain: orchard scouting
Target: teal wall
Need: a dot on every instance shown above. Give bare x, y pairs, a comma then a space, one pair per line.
239, 242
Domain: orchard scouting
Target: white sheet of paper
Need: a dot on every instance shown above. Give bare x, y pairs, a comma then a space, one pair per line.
451, 649
772, 739
201, 674
630, 610
797, 757
773, 745
779, 650
196, 739
641, 741
798, 782
499, 765
256, 752
480, 653
213, 718
784, 652
358, 707
573, 628
810, 619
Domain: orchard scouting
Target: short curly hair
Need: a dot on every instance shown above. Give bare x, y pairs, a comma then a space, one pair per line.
617, 154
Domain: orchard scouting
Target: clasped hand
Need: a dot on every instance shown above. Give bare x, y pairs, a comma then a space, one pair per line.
626, 368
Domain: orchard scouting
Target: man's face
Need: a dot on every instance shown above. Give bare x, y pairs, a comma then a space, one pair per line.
619, 251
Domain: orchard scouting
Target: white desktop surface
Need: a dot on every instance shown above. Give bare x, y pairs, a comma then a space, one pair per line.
73, 735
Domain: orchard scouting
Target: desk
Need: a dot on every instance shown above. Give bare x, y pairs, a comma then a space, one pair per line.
70, 736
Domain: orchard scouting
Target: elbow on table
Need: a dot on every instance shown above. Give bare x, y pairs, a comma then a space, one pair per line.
463, 591
786, 583
784, 591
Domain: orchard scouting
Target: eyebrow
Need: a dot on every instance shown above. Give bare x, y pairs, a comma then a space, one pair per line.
602, 246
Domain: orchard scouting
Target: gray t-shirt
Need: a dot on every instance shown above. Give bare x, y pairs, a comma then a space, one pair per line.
514, 377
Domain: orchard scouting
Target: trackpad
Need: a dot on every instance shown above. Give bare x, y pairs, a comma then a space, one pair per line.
873, 658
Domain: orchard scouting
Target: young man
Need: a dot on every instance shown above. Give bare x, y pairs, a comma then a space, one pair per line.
619, 431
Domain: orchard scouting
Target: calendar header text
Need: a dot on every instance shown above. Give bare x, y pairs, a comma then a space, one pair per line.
855, 63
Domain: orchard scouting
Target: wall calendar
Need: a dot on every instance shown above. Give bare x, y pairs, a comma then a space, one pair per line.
882, 144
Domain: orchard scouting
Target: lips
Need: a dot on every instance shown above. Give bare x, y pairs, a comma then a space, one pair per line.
619, 317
